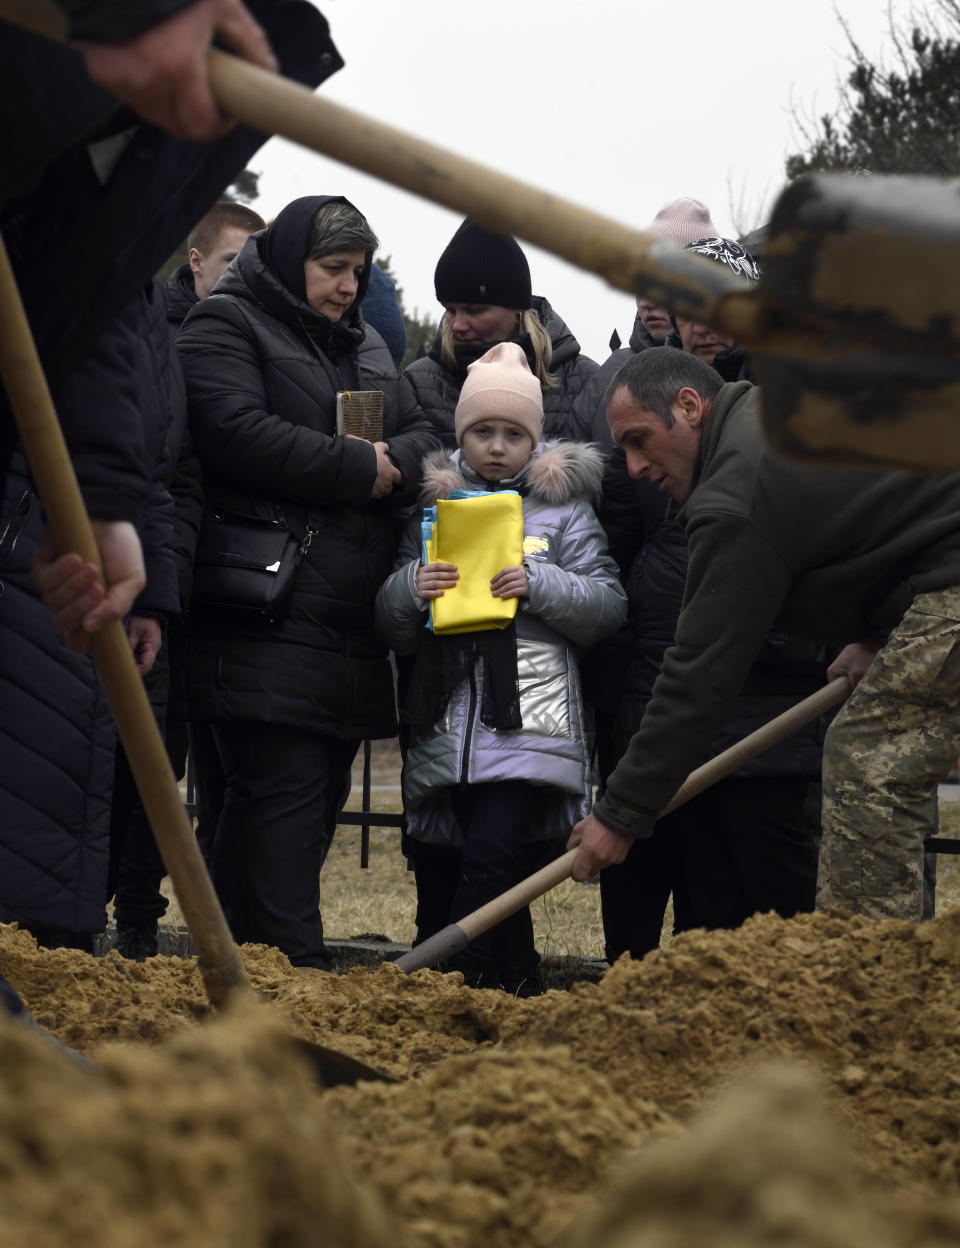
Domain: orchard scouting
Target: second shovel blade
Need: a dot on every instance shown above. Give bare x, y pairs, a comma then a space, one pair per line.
868, 270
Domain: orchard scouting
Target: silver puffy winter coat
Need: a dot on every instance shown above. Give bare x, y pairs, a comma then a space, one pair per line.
575, 601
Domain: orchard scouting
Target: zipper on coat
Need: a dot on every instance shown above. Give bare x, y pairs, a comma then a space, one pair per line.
13, 529
468, 733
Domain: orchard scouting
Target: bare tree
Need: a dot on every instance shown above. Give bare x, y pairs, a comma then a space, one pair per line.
904, 119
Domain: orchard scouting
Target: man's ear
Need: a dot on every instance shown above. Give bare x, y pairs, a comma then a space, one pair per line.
196, 260
693, 406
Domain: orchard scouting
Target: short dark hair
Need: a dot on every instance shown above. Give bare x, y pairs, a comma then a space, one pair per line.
205, 233
656, 376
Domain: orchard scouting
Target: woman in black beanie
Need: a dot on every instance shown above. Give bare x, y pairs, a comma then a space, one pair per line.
483, 281
264, 357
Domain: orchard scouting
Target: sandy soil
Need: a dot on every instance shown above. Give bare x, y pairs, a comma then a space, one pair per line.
640, 1111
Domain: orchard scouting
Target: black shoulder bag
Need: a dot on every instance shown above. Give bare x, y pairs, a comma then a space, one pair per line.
247, 564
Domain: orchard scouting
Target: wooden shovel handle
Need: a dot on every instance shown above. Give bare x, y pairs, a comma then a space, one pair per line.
626, 258
702, 778
761, 739
457, 935
56, 482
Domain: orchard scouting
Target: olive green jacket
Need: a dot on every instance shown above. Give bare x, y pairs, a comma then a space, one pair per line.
831, 554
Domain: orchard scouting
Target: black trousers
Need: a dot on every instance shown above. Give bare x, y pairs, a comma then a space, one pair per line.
284, 791
210, 785
494, 819
742, 847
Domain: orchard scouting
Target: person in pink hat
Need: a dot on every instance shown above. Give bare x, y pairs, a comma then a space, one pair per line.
498, 749
681, 221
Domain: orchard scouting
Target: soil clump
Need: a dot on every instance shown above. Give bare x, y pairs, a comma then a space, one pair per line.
590, 1116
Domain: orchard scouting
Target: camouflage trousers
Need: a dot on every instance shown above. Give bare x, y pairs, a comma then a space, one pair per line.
894, 739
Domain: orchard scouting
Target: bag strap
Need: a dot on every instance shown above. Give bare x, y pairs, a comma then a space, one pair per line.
306, 542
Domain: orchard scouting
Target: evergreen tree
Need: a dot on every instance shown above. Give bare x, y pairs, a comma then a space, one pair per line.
244, 189
900, 120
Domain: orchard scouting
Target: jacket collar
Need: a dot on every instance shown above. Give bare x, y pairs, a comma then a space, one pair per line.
727, 398
557, 472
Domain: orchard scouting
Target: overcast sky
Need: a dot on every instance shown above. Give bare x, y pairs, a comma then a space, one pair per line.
619, 105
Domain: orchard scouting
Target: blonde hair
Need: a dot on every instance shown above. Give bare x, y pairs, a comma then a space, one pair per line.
527, 323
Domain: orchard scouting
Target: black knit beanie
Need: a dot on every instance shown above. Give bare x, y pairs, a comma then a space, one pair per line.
480, 266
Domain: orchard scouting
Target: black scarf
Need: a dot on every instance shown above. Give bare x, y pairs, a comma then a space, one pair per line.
443, 663
467, 353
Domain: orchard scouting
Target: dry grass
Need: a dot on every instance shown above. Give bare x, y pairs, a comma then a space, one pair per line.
382, 899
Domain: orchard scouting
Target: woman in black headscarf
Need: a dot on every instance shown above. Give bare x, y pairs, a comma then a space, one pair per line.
264, 357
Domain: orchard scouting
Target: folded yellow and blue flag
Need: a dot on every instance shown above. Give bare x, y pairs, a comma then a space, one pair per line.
481, 534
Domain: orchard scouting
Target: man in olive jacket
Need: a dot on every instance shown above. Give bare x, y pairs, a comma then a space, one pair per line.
840, 555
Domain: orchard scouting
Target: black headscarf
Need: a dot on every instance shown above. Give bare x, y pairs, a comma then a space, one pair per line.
286, 243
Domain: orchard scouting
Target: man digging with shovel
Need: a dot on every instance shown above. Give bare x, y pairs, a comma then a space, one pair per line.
860, 556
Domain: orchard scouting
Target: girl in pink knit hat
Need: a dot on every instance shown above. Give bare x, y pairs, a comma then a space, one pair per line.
498, 761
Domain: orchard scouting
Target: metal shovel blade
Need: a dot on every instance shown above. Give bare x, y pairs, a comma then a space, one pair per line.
867, 271
333, 1068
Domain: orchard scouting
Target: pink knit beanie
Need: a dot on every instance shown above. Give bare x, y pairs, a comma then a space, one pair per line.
500, 384
682, 221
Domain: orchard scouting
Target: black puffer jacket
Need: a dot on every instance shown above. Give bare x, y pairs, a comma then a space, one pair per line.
628, 517
185, 480
589, 407
181, 294
262, 371
785, 670
56, 762
438, 389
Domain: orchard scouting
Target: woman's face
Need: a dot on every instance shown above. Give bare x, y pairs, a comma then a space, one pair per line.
332, 282
480, 322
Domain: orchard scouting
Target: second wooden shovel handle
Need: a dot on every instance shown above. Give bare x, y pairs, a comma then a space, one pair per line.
457, 935
625, 257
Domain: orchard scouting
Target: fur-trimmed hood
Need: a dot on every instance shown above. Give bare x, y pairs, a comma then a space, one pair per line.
557, 472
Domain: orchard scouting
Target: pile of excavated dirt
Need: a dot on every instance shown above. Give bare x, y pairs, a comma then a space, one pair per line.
585, 1117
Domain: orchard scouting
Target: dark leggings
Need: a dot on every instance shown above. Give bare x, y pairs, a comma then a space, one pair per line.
494, 820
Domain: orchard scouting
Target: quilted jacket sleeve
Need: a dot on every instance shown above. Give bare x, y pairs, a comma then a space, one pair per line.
401, 614
239, 439
411, 438
580, 596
